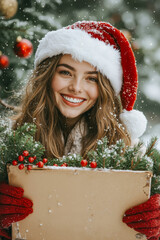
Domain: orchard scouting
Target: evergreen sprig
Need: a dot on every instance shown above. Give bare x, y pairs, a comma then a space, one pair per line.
154, 154
117, 156
71, 160
14, 142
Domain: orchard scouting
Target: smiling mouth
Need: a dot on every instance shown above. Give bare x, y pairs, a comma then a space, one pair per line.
73, 100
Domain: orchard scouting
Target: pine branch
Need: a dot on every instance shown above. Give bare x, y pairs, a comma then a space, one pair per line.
14, 24
10, 107
151, 146
13, 29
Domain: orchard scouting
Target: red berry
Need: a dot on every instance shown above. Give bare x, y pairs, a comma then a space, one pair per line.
55, 165
21, 166
23, 48
25, 153
40, 164
31, 159
45, 160
64, 165
29, 167
14, 162
20, 158
93, 164
4, 61
35, 157
84, 163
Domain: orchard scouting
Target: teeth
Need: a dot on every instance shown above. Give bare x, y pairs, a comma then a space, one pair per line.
74, 100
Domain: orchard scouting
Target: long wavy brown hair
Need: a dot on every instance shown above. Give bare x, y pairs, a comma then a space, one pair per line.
38, 106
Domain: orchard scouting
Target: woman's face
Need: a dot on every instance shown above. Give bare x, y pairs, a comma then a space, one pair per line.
75, 86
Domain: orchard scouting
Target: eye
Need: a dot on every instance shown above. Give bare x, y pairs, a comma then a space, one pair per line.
93, 79
64, 72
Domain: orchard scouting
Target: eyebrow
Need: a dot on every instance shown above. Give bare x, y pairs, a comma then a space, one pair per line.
73, 69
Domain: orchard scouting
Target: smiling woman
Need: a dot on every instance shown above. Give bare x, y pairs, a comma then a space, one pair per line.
67, 98
76, 94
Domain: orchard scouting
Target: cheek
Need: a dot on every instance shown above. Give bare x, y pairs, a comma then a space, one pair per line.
57, 84
54, 86
93, 93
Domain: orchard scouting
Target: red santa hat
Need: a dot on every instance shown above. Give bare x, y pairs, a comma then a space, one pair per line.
107, 49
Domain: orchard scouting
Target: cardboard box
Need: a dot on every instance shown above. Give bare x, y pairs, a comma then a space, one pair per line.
78, 203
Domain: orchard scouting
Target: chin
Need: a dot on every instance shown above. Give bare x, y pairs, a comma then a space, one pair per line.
71, 115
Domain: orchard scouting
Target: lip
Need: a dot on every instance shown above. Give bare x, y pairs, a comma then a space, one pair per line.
71, 96
71, 104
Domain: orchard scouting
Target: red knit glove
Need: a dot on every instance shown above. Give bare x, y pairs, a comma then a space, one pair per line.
5, 234
145, 218
13, 207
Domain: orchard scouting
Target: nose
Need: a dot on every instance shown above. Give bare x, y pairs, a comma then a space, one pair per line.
76, 85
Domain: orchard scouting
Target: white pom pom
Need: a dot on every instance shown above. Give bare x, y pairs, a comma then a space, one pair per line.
135, 122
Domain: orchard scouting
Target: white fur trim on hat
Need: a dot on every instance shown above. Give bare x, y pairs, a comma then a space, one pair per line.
83, 47
135, 122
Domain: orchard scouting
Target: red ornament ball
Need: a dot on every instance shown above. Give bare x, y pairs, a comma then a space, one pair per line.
23, 48
14, 162
55, 165
84, 162
31, 159
93, 164
21, 166
45, 160
29, 167
40, 164
20, 158
34, 157
4, 61
25, 153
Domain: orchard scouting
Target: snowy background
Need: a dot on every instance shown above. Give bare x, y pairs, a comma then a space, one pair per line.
139, 18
